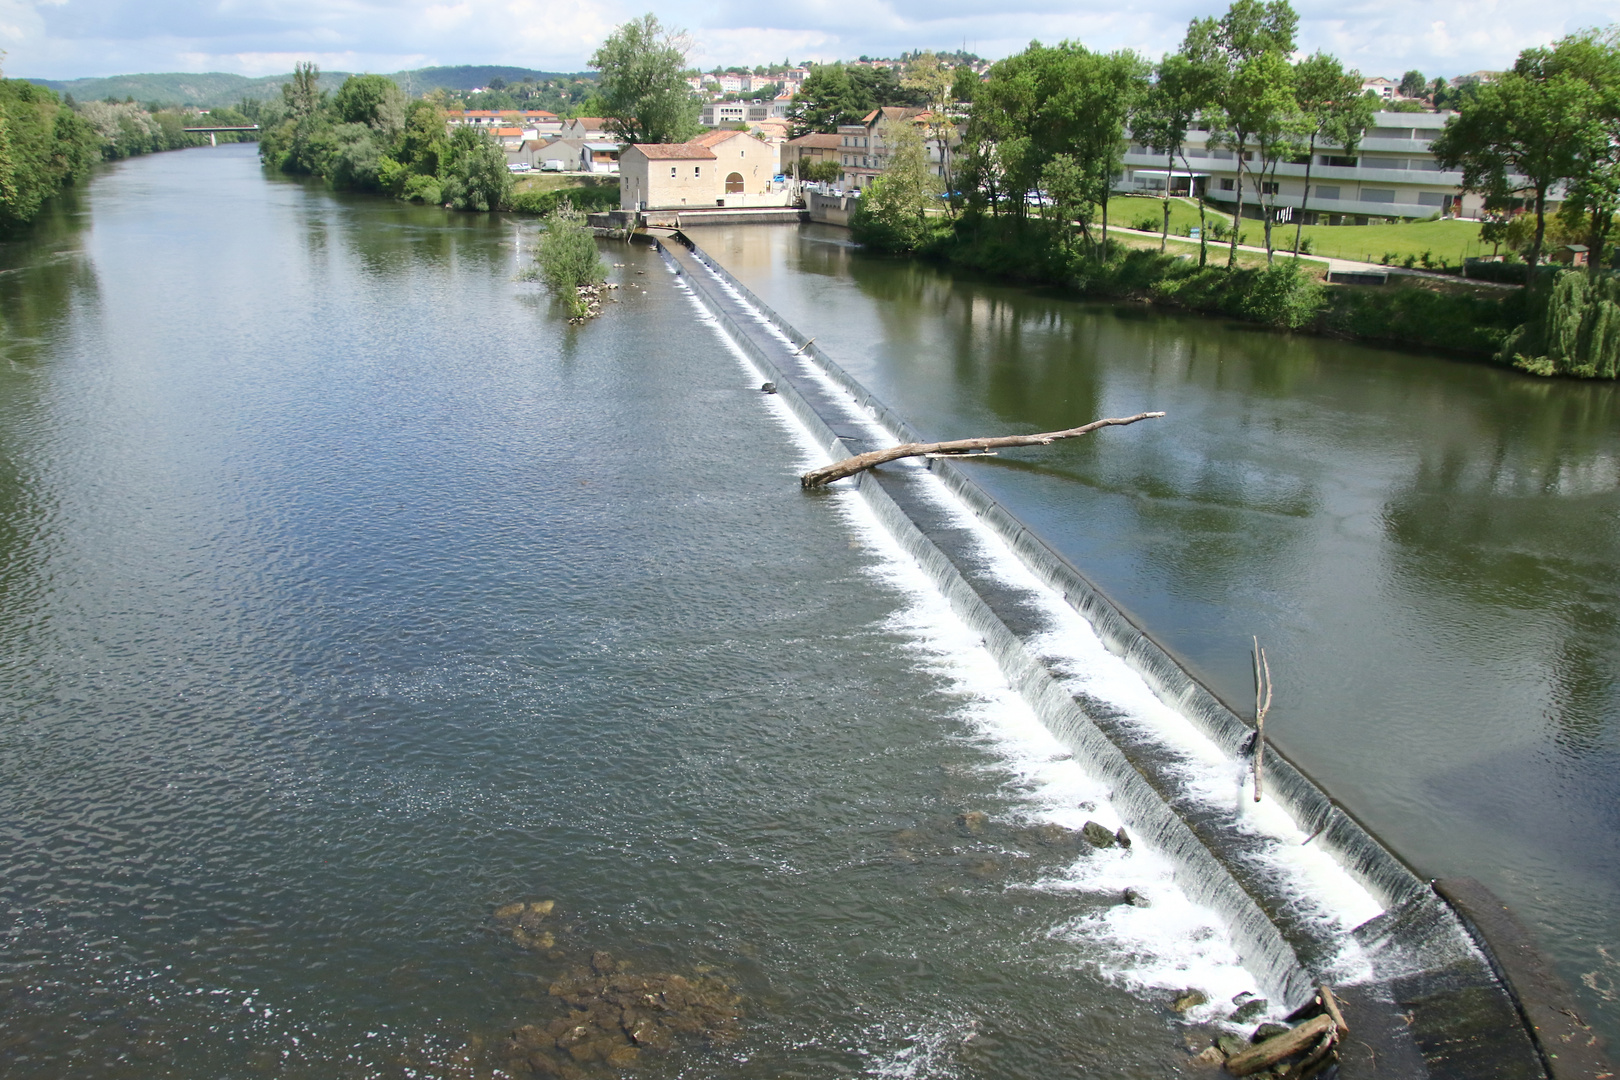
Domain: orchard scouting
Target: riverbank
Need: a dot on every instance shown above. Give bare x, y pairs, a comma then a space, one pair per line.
1452, 317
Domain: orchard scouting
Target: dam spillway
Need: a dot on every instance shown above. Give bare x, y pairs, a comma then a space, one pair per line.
1307, 893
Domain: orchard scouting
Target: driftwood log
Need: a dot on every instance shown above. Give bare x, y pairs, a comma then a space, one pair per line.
1330, 1005
861, 462
1278, 1047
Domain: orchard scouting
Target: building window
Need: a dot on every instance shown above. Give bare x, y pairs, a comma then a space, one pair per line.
1227, 184
1268, 189
672, 172
1432, 198
697, 170
1378, 195
1339, 162
1325, 192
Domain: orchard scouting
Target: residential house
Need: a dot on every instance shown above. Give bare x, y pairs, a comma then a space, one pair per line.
807, 149
864, 147
716, 113
586, 127
509, 138
559, 155
1380, 87
1392, 175
599, 157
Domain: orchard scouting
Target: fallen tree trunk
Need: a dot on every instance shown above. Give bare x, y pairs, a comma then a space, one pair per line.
861, 462
1278, 1047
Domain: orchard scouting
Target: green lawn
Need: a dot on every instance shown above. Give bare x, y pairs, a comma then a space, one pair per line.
1444, 240
539, 181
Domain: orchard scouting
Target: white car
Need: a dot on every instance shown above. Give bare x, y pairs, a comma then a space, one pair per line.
519, 166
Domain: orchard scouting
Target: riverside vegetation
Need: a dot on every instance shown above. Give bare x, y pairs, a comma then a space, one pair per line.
568, 262
1033, 178
48, 142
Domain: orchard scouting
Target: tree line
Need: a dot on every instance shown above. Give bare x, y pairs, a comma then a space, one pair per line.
369, 137
48, 142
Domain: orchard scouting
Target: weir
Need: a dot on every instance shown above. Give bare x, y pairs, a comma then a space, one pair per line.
1421, 990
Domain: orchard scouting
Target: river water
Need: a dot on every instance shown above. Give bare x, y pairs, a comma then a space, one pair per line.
1428, 549
350, 595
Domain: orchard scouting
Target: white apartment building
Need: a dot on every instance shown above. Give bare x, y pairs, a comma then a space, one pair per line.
1393, 174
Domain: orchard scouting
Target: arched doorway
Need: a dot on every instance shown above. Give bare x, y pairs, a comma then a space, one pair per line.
734, 184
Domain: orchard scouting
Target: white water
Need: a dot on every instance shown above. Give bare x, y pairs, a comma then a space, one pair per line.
1171, 945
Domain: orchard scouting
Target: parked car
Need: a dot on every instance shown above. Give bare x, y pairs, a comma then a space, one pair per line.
519, 167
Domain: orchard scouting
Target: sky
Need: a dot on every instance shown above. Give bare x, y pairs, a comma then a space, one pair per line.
65, 39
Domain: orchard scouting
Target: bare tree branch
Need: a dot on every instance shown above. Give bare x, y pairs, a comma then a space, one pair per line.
861, 462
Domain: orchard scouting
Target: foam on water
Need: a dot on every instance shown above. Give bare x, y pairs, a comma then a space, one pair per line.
1171, 945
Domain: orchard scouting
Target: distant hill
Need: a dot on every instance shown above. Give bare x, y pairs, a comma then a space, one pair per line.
220, 88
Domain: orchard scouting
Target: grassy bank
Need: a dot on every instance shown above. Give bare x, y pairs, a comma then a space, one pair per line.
1446, 316
1444, 242
542, 193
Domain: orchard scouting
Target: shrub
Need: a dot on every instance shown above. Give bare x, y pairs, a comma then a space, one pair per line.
567, 258
584, 199
1282, 295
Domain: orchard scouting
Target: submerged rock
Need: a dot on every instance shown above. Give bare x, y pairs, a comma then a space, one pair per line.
1230, 1044
1098, 836
1250, 1011
523, 922
1267, 1030
615, 1017
972, 822
1123, 837
1188, 999
1136, 899
767, 388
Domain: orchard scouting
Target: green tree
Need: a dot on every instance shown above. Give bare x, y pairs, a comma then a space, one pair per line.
1334, 111
477, 177
1182, 88
964, 83
1254, 100
303, 95
893, 211
47, 147
644, 94
1592, 190
930, 80
828, 98
1413, 85
372, 100
1522, 135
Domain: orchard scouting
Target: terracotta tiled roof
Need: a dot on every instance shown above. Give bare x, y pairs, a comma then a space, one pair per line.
505, 132
675, 151
815, 139
715, 138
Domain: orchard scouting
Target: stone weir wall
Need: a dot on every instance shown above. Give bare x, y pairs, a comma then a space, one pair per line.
1430, 998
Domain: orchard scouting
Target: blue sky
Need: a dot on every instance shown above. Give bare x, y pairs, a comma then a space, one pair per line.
64, 39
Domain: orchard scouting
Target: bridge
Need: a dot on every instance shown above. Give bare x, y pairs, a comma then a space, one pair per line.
213, 139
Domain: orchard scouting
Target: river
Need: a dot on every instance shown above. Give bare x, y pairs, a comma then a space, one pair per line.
351, 596
1428, 549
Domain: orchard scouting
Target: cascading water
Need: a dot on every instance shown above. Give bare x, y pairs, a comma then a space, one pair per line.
1305, 892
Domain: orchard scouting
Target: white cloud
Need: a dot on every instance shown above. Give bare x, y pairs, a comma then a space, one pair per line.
70, 38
